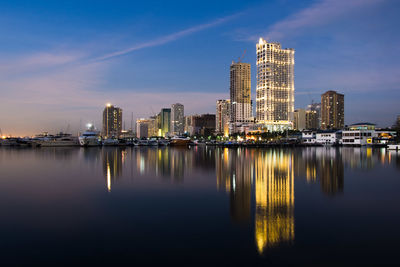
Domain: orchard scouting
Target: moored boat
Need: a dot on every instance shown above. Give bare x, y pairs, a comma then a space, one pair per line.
394, 147
61, 139
110, 142
180, 141
90, 138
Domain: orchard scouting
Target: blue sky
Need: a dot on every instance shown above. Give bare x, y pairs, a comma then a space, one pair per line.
61, 61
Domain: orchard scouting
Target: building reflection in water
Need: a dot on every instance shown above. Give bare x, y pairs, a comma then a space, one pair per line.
273, 186
274, 198
113, 159
234, 177
266, 176
322, 165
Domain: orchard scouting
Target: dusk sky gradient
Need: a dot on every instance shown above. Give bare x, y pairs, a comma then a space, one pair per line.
62, 61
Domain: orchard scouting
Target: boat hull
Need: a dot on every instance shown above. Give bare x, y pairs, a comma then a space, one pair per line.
85, 141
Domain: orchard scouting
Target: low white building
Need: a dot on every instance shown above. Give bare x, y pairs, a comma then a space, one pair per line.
327, 137
308, 137
358, 134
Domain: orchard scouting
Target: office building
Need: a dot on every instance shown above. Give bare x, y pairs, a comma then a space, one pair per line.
332, 110
275, 86
240, 95
222, 117
112, 121
177, 119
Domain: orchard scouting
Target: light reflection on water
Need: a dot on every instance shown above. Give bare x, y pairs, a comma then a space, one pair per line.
262, 186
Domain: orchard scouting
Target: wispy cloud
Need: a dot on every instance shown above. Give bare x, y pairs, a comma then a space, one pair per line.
320, 13
168, 38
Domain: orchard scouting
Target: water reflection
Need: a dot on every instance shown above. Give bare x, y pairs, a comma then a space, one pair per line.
324, 165
274, 191
112, 165
260, 182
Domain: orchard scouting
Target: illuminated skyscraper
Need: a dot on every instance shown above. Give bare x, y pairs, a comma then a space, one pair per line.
275, 86
177, 119
240, 95
222, 117
332, 110
112, 121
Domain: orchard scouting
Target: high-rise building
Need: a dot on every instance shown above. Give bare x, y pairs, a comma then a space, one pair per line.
165, 121
200, 124
112, 121
332, 110
177, 119
275, 86
240, 95
222, 117
299, 119
313, 116
312, 122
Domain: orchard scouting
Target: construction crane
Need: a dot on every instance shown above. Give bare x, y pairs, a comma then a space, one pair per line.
240, 58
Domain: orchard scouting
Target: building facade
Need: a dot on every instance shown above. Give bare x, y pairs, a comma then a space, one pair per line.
240, 95
222, 117
165, 122
312, 120
112, 121
314, 116
332, 110
299, 119
145, 128
275, 86
177, 119
200, 124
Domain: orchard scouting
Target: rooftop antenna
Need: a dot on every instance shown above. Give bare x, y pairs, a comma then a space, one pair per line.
240, 58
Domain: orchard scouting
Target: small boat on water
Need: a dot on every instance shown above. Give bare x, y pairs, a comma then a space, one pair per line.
180, 141
163, 142
153, 142
394, 147
142, 142
90, 137
110, 142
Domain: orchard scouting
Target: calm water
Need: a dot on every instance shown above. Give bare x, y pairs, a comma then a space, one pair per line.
200, 205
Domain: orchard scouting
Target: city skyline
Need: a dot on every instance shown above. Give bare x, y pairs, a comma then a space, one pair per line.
60, 74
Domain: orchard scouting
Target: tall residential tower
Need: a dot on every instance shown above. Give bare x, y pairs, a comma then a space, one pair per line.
112, 121
275, 86
177, 119
332, 110
240, 95
222, 117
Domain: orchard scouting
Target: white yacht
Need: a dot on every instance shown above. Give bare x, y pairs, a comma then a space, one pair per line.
90, 138
60, 139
